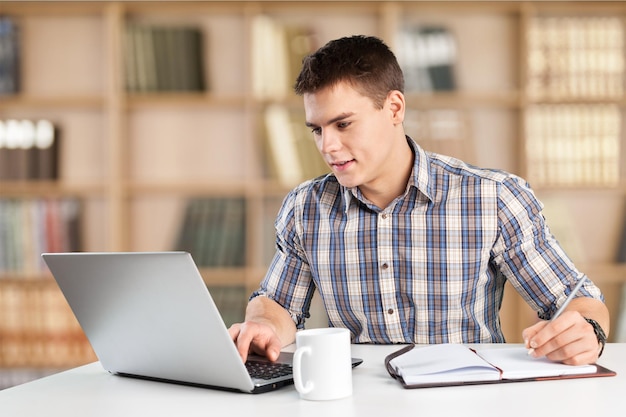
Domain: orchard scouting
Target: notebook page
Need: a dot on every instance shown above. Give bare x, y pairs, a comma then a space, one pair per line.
515, 363
441, 364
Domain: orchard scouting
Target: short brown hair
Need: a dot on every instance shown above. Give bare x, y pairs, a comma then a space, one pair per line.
366, 62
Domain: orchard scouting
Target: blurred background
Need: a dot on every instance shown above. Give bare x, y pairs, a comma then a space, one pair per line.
171, 125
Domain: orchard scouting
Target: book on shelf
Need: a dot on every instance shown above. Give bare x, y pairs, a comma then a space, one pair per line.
213, 231
30, 227
231, 301
277, 52
38, 328
29, 150
452, 364
163, 58
573, 144
9, 56
292, 155
427, 55
575, 57
621, 247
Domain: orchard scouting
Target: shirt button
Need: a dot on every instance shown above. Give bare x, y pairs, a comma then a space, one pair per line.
385, 265
385, 215
390, 311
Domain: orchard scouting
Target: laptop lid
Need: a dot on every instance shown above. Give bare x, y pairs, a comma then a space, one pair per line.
150, 315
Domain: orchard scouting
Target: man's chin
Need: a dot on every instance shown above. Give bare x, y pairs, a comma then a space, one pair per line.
346, 180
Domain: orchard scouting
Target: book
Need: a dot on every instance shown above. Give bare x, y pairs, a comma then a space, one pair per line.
9, 56
292, 155
5, 154
573, 144
575, 57
213, 230
277, 53
452, 364
46, 155
163, 58
231, 301
29, 227
427, 55
28, 150
38, 328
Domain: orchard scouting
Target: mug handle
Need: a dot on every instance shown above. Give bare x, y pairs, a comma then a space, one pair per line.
297, 370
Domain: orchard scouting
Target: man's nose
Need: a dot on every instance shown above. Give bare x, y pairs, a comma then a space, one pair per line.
329, 142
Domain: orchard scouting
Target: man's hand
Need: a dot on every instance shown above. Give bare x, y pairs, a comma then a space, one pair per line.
267, 328
256, 337
569, 338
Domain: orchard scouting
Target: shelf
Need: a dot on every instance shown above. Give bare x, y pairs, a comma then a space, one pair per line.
135, 159
25, 189
202, 100
30, 102
464, 100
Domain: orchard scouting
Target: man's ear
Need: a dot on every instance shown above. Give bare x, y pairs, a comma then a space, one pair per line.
397, 106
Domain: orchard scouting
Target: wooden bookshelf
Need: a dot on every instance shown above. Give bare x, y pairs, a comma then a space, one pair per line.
134, 159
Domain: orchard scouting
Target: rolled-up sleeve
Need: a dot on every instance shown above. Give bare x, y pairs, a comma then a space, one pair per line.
529, 256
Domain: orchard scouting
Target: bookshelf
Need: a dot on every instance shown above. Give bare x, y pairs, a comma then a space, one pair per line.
134, 159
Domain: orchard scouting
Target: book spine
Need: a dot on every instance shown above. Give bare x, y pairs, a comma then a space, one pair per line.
573, 144
575, 57
163, 58
30, 227
427, 55
39, 329
213, 231
29, 150
9, 56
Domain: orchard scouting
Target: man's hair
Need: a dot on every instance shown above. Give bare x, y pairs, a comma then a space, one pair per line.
365, 62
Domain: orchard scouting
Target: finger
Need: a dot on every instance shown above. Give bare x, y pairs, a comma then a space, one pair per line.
574, 345
558, 339
233, 331
272, 350
529, 333
266, 343
243, 341
575, 353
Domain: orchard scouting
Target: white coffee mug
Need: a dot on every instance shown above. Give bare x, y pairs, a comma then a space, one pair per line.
322, 367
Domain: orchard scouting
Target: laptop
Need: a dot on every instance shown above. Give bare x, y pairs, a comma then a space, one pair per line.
150, 315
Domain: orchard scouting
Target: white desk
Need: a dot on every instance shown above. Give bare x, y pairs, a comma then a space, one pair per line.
89, 391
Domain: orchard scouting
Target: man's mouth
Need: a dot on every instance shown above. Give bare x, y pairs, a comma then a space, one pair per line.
341, 165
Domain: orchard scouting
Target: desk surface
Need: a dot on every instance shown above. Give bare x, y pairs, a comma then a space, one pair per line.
90, 391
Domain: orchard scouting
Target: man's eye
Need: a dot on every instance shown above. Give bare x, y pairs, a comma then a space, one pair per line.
316, 130
343, 125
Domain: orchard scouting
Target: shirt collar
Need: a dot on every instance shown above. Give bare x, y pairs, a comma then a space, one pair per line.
420, 176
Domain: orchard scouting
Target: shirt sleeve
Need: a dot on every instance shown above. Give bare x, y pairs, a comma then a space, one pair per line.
288, 280
529, 256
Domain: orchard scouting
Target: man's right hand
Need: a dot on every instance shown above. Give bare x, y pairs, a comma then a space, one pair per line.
267, 328
259, 338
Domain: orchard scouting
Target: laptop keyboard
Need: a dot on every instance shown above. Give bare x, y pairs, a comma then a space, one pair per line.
268, 370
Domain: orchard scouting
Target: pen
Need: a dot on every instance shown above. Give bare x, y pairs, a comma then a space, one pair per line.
561, 309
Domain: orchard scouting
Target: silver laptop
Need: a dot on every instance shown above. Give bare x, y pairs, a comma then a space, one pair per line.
150, 315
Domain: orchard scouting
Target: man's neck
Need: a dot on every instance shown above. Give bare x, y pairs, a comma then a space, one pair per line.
382, 192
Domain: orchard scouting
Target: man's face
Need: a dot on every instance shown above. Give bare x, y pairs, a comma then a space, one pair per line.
353, 136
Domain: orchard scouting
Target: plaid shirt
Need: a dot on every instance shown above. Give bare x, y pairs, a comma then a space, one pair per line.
430, 267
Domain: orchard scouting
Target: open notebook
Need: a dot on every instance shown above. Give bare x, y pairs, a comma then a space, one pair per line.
457, 364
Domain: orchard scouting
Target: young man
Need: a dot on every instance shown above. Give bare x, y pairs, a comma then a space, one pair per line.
406, 246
